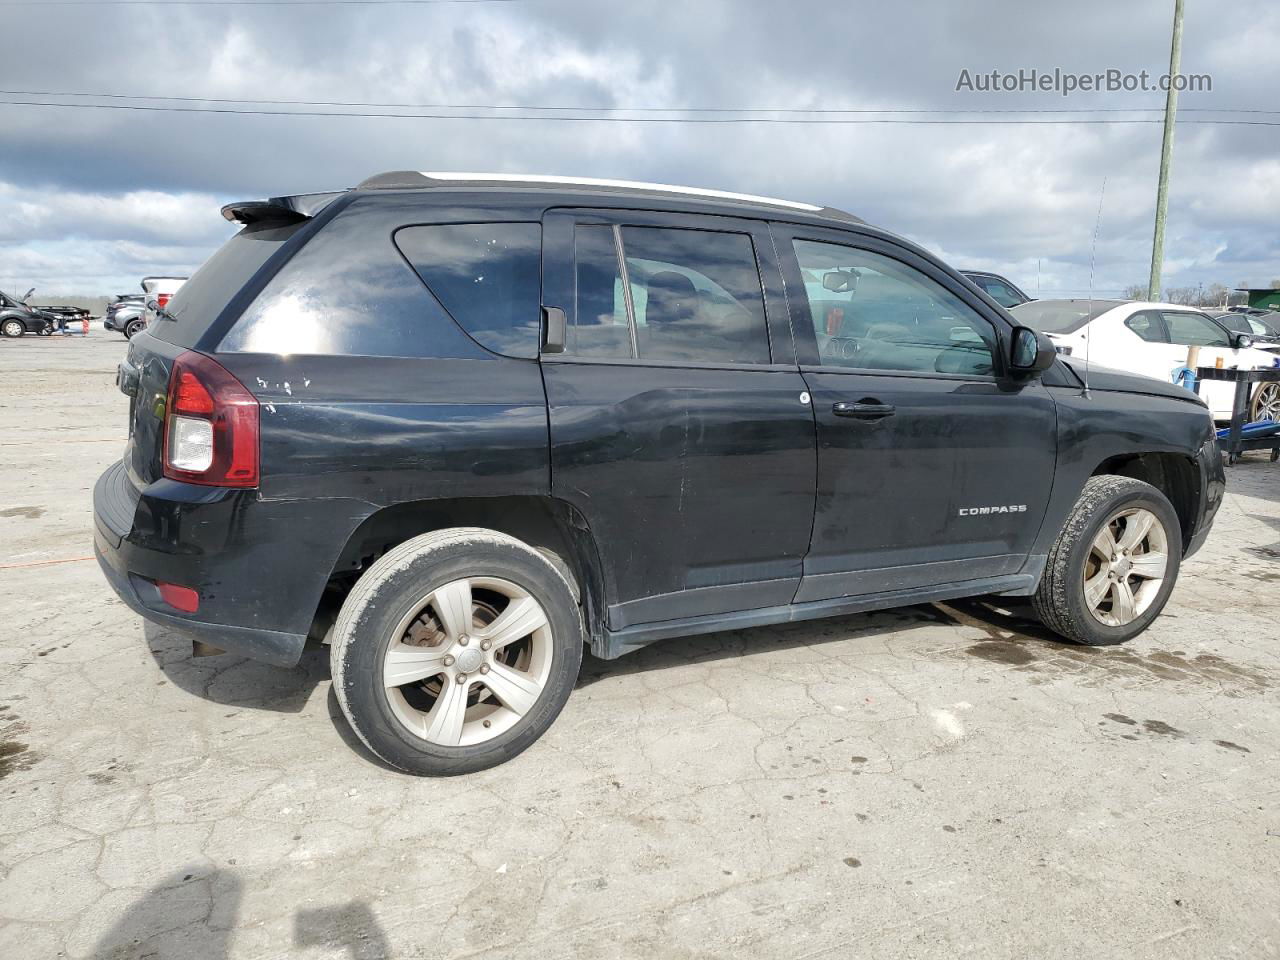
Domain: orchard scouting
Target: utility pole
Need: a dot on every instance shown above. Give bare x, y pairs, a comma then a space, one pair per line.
1166, 154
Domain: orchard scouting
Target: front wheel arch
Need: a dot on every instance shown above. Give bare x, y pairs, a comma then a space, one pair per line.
1175, 475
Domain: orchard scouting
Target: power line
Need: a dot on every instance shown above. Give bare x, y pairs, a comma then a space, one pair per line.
239, 3
821, 121
646, 109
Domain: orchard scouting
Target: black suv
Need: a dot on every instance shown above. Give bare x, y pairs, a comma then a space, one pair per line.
998, 288
456, 425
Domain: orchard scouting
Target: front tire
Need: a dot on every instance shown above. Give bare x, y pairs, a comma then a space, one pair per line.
1114, 564
455, 651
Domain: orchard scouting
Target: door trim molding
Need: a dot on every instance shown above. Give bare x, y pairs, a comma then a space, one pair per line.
615, 643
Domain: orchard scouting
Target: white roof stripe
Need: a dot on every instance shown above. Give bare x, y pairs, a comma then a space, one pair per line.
632, 184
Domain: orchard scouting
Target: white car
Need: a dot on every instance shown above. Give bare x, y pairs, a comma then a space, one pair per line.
1148, 338
156, 294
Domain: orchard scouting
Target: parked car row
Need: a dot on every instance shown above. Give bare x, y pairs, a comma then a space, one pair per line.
18, 318
129, 313
67, 316
1152, 339
124, 314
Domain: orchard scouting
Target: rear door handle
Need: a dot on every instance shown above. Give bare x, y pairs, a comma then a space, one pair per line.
862, 410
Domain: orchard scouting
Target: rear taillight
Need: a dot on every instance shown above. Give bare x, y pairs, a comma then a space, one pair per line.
210, 425
162, 299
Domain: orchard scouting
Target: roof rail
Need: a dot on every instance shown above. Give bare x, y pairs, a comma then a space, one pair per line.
416, 179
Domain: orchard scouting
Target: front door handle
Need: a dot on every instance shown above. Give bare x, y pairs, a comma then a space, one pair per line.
863, 409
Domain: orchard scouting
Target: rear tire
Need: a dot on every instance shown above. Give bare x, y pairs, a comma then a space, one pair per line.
1114, 564
455, 651
133, 327
13, 328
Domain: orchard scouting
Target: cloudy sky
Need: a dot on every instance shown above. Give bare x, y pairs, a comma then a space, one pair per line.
92, 199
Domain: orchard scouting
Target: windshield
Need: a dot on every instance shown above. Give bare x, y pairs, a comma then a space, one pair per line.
1235, 322
1061, 316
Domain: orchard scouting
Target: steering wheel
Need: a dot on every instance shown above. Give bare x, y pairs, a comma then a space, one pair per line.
841, 348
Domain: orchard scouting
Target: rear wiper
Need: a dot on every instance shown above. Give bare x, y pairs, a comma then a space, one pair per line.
160, 312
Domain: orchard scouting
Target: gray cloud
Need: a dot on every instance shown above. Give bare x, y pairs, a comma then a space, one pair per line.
91, 199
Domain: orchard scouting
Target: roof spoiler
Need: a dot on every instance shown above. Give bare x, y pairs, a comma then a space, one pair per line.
294, 209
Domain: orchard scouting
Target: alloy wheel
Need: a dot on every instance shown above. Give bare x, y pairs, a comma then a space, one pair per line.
468, 661
1127, 564
1266, 402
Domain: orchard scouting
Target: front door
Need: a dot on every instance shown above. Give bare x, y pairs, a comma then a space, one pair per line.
933, 467
680, 424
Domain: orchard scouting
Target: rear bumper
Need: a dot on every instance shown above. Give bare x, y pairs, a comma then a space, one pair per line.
282, 649
259, 566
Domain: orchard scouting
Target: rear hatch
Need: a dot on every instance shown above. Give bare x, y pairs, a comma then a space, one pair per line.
185, 322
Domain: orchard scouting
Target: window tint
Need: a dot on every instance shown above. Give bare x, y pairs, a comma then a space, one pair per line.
199, 301
695, 295
348, 292
874, 313
1193, 329
487, 275
600, 326
1148, 326
1000, 293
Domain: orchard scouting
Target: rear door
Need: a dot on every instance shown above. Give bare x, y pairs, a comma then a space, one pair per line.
680, 424
932, 467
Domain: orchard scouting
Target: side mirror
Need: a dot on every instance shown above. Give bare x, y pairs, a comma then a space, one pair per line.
1030, 352
1242, 341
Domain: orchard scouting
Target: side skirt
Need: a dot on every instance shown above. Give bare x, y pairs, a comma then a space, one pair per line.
614, 643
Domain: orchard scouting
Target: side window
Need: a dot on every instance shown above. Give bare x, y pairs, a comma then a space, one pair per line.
696, 295
601, 327
1193, 329
487, 275
690, 295
1000, 293
1148, 326
873, 313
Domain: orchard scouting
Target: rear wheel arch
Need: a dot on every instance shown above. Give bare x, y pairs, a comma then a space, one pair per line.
1173, 474
551, 526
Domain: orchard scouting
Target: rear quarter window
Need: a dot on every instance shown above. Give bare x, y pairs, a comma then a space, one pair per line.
487, 275
349, 292
198, 302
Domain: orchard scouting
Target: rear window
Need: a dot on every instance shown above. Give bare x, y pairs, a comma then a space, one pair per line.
487, 275
199, 301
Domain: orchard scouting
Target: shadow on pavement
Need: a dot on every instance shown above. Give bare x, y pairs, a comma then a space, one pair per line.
351, 926
238, 681
733, 644
192, 913
189, 914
